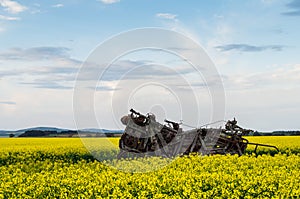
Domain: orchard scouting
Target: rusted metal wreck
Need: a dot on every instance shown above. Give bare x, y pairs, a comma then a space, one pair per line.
144, 137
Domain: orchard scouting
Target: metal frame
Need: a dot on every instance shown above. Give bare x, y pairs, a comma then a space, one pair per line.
144, 137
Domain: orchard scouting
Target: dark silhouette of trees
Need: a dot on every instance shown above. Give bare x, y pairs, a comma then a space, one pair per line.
37, 133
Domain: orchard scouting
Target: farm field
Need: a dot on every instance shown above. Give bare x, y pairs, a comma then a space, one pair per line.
63, 168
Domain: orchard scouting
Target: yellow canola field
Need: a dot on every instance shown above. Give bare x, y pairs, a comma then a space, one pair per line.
64, 168
285, 144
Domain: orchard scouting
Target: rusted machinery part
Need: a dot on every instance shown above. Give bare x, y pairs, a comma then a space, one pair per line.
139, 118
264, 145
168, 140
175, 125
147, 144
128, 142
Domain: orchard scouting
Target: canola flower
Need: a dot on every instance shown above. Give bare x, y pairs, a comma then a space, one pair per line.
64, 168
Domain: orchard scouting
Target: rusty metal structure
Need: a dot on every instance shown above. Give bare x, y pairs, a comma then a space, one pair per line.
144, 137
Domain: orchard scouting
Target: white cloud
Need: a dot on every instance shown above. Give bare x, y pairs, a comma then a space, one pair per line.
8, 18
166, 16
59, 5
109, 1
12, 6
285, 77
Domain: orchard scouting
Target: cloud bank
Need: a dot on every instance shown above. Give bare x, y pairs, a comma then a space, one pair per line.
248, 48
46, 67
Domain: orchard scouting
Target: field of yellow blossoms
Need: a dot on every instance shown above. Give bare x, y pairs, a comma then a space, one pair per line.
63, 168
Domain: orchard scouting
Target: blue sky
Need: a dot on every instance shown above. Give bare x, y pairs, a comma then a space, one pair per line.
254, 44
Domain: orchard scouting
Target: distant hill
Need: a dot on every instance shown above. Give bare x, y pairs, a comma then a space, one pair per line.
94, 132
5, 133
47, 131
277, 133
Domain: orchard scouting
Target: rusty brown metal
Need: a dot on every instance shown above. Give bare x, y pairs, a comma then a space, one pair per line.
144, 136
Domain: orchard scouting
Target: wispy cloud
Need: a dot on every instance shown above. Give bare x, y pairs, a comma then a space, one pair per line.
133, 70
45, 67
47, 84
294, 5
8, 18
34, 53
59, 5
166, 16
12, 6
8, 102
249, 48
109, 1
53, 68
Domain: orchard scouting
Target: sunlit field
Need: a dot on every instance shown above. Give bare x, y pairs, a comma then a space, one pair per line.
285, 144
64, 168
